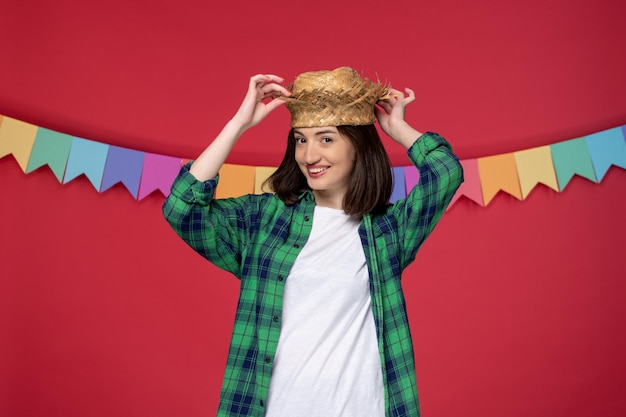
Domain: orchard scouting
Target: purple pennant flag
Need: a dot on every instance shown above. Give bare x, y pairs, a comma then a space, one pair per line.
123, 165
399, 190
159, 172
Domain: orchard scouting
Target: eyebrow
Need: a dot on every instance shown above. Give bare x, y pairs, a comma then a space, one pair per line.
321, 132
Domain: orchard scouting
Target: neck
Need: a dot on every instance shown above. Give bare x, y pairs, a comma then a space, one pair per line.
331, 200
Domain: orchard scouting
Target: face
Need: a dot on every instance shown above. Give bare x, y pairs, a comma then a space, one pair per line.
326, 158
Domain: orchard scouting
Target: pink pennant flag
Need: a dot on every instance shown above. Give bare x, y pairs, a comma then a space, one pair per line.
470, 187
158, 173
411, 178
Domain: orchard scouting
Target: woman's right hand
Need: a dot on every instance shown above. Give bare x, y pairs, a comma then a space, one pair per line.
255, 106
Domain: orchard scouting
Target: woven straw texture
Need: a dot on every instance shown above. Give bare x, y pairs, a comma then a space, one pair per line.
333, 98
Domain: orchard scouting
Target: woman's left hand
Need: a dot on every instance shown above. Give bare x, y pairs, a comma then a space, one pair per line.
390, 114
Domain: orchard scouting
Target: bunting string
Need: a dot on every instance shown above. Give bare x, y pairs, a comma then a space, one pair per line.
142, 173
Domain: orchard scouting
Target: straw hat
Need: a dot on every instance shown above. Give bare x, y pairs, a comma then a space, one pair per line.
333, 98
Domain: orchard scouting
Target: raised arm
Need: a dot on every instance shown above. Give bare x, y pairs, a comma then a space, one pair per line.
390, 115
440, 175
218, 229
253, 109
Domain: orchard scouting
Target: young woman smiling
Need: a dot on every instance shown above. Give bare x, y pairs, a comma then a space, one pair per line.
321, 326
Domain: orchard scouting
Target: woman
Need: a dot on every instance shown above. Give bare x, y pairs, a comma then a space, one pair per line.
321, 326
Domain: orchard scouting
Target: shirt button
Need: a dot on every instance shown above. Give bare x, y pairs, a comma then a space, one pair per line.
261, 403
275, 318
267, 359
280, 278
296, 246
306, 218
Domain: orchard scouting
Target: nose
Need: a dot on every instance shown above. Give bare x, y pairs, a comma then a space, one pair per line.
311, 153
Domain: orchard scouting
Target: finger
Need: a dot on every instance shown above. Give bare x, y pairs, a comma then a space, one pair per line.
262, 79
395, 94
274, 77
275, 89
274, 104
385, 105
411, 96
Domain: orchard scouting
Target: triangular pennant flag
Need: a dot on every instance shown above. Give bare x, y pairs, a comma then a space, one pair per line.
51, 148
123, 165
260, 175
86, 157
158, 173
470, 187
535, 166
569, 158
17, 138
235, 181
399, 187
411, 178
497, 173
607, 148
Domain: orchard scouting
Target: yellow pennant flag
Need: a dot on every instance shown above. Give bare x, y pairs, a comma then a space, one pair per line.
17, 138
235, 181
262, 173
535, 166
497, 173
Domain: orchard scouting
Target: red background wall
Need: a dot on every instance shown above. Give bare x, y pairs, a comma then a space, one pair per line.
517, 309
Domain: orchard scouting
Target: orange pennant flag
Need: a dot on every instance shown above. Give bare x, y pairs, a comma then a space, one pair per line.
261, 174
535, 166
498, 172
235, 181
17, 138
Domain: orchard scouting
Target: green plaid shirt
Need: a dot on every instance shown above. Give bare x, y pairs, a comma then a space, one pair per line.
258, 238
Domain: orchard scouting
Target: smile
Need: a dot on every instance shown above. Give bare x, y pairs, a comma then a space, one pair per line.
317, 171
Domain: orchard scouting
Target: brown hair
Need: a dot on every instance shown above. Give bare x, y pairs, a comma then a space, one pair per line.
370, 184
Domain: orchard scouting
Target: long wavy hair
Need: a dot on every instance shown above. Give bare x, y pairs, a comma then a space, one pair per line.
370, 183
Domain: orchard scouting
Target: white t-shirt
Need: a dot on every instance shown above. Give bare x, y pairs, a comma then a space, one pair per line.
327, 362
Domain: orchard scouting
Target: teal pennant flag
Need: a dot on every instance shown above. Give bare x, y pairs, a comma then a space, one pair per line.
86, 157
569, 158
50, 148
607, 148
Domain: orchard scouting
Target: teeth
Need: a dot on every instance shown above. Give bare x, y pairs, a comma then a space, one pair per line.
316, 170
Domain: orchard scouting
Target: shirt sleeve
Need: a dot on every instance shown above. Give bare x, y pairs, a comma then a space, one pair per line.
440, 175
216, 229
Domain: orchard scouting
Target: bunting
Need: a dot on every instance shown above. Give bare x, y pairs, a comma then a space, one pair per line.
516, 173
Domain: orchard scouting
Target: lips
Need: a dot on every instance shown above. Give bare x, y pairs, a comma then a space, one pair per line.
317, 171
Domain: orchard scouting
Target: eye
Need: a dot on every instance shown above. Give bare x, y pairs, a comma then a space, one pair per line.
300, 140
326, 139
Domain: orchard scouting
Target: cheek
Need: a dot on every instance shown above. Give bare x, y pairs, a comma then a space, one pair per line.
298, 155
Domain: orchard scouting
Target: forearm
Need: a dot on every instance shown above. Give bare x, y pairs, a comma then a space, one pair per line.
404, 134
209, 162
